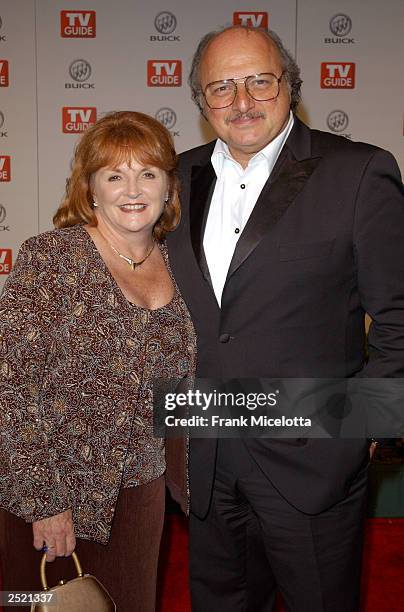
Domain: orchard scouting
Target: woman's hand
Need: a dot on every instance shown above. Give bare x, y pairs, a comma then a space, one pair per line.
57, 533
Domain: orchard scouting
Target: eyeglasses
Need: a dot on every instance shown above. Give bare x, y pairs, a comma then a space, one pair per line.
261, 87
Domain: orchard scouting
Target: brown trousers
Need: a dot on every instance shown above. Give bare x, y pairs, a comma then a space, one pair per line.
126, 566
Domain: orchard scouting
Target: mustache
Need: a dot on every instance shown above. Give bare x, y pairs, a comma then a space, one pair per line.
247, 115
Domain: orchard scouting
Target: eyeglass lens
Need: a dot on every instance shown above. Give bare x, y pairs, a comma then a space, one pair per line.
260, 87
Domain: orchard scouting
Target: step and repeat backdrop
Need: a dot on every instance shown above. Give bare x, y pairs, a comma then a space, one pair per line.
63, 64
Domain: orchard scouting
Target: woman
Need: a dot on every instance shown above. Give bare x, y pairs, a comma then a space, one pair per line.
89, 316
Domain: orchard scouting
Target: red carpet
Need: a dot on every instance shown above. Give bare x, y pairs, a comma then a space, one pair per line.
173, 593
383, 576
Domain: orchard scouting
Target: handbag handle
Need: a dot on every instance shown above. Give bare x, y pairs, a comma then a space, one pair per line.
43, 571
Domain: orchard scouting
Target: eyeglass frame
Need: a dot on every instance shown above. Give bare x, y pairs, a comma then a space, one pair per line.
244, 79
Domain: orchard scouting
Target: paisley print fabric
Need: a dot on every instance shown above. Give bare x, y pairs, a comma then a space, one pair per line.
77, 361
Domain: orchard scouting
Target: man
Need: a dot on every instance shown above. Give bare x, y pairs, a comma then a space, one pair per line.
288, 236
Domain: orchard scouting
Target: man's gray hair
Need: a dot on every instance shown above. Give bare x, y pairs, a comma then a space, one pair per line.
289, 66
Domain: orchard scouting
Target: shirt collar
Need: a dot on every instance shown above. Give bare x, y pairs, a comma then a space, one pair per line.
268, 154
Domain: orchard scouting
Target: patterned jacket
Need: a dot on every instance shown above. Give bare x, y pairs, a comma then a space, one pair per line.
77, 362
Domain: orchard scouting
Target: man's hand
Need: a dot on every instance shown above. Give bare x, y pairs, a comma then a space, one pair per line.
57, 534
372, 449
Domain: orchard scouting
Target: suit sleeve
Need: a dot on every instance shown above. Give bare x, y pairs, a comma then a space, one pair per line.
379, 249
30, 483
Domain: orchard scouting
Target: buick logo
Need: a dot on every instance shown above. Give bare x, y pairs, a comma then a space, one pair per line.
165, 22
3, 213
80, 70
1, 120
337, 121
340, 25
167, 117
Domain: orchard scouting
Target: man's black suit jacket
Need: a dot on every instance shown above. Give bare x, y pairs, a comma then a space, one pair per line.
323, 245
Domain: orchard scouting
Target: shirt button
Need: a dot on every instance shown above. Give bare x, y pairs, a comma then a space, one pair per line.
242, 186
237, 230
223, 338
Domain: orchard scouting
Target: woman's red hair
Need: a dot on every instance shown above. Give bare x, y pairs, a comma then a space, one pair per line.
114, 139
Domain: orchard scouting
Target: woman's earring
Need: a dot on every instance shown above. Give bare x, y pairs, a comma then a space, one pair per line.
95, 204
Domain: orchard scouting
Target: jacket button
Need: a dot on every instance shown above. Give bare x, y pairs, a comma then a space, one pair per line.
224, 338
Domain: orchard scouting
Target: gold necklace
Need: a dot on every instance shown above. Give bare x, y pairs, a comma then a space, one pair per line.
133, 264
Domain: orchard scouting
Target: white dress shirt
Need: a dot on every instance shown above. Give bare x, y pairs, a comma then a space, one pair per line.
235, 195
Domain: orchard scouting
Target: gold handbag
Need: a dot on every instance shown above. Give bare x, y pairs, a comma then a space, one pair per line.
82, 594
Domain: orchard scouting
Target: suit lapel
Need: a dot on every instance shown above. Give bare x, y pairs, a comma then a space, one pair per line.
203, 180
281, 189
288, 178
